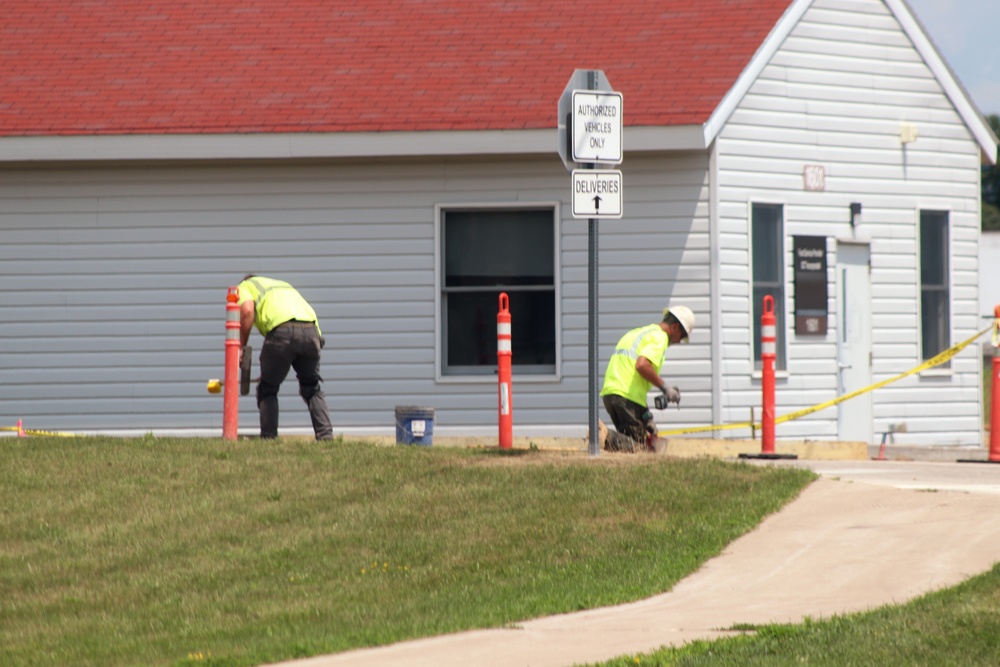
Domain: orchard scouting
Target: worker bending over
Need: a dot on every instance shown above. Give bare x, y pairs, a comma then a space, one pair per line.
292, 339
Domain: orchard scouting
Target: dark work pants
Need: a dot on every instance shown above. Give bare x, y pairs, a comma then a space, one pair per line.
292, 345
633, 422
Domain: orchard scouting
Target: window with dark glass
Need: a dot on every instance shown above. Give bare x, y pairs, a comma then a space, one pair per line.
767, 234
935, 291
484, 253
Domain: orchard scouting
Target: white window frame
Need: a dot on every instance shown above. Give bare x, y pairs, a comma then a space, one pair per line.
946, 368
439, 211
782, 344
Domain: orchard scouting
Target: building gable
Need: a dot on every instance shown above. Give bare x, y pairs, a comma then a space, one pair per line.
914, 31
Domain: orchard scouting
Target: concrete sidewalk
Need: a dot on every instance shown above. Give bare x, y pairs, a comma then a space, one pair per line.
867, 534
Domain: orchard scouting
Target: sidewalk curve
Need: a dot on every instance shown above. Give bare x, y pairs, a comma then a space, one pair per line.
846, 544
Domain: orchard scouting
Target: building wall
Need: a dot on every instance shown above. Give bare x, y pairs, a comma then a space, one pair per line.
835, 95
115, 280
657, 255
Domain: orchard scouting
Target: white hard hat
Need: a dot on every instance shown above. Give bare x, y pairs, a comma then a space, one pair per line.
684, 316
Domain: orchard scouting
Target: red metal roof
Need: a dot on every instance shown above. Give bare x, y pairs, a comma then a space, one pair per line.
91, 67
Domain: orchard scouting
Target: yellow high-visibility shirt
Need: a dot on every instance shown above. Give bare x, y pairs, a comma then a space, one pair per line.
621, 377
276, 302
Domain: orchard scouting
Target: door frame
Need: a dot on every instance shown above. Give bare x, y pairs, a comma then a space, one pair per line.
855, 417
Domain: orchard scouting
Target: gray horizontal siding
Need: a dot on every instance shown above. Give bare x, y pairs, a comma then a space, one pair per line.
115, 280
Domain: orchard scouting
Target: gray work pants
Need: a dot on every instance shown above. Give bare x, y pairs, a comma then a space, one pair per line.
633, 423
292, 345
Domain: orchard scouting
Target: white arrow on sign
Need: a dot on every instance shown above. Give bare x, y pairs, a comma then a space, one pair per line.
597, 193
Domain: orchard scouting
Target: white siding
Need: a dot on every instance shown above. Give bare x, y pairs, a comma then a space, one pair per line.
114, 282
835, 95
657, 255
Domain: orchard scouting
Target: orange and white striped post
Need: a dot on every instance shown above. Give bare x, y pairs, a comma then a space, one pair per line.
768, 352
995, 399
505, 417
230, 395
768, 349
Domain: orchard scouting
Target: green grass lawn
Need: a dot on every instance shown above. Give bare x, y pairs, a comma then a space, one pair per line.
958, 627
203, 552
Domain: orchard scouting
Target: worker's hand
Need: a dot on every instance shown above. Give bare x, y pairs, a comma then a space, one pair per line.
669, 395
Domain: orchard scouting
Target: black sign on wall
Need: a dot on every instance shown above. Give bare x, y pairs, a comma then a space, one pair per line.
810, 285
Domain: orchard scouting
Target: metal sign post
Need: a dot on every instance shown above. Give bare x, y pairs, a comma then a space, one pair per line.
590, 132
593, 447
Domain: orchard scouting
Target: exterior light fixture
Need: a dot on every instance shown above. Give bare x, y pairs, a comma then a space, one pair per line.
855, 214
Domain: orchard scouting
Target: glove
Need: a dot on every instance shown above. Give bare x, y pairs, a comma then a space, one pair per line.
670, 395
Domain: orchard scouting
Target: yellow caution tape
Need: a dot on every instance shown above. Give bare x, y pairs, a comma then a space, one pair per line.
706, 429
937, 360
31, 431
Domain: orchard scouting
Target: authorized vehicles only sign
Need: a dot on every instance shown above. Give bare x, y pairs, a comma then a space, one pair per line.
597, 126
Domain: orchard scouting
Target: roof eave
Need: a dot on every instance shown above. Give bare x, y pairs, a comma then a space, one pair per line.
331, 145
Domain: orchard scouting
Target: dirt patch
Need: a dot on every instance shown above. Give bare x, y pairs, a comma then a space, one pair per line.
521, 457
526, 451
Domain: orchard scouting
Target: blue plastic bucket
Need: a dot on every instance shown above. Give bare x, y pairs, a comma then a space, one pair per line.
414, 426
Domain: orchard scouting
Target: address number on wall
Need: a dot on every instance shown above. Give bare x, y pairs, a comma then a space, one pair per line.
814, 177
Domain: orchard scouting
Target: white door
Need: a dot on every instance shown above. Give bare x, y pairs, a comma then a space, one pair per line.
854, 340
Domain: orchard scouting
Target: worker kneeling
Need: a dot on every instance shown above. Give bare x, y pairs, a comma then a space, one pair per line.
633, 369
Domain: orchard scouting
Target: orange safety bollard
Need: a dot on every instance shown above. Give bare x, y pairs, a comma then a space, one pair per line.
768, 347
505, 416
230, 387
994, 455
995, 400
768, 352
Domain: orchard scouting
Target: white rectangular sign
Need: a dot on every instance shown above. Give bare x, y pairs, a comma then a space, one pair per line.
597, 126
814, 178
597, 193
